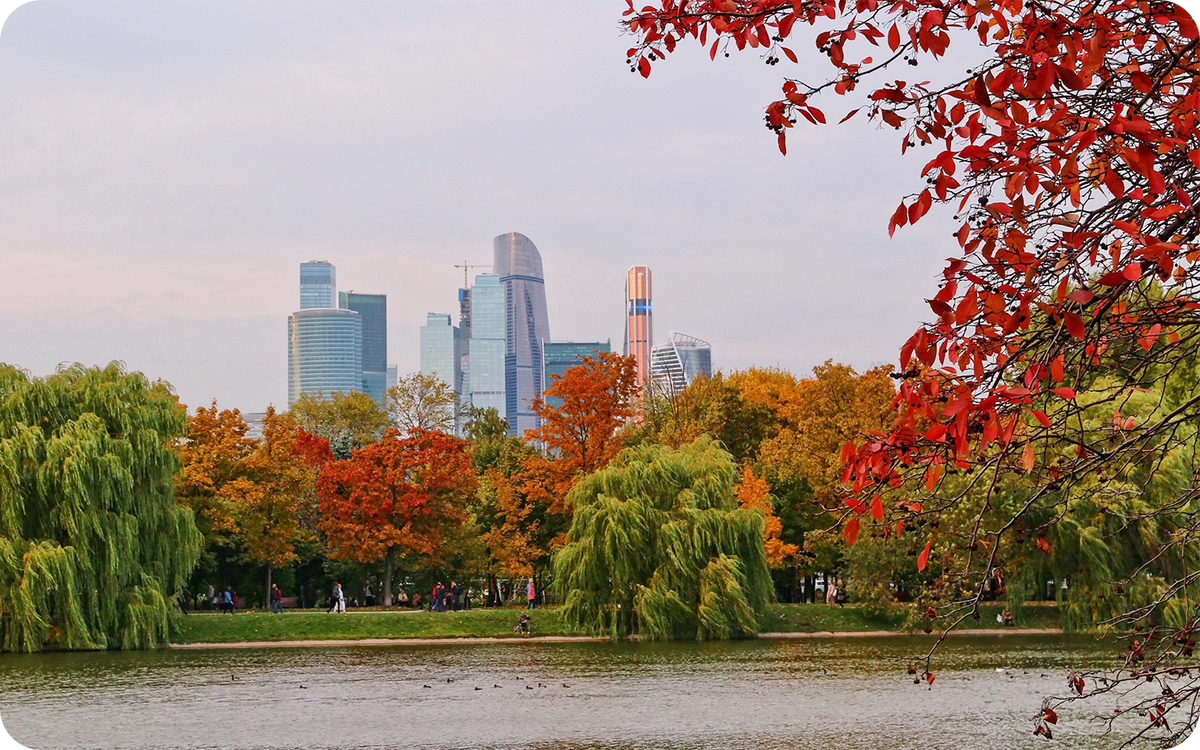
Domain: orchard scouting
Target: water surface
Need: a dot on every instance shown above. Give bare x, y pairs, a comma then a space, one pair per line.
803, 694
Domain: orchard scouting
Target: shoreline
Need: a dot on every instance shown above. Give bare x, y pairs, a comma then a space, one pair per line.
342, 642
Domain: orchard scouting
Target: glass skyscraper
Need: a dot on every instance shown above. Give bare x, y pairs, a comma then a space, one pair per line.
439, 350
325, 352
639, 321
518, 265
560, 356
318, 284
677, 363
372, 308
486, 369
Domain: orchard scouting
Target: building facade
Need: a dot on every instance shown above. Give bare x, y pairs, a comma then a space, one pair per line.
372, 308
560, 356
318, 284
325, 347
677, 363
440, 350
485, 380
518, 265
639, 321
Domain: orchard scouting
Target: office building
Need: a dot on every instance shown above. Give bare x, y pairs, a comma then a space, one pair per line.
318, 284
518, 265
325, 347
486, 358
440, 350
372, 308
677, 363
393, 375
639, 328
560, 356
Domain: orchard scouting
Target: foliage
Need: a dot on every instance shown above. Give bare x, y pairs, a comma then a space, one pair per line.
422, 402
715, 406
399, 495
346, 420
212, 453
659, 547
92, 542
753, 493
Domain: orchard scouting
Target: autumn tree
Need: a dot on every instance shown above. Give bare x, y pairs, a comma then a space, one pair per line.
346, 420
422, 402
212, 451
753, 493
1070, 153
400, 495
715, 406
267, 497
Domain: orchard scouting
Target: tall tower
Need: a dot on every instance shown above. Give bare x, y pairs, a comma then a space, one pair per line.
639, 324
372, 308
486, 371
325, 348
318, 284
519, 266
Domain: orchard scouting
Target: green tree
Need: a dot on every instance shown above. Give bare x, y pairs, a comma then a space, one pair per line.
422, 402
92, 542
658, 546
347, 420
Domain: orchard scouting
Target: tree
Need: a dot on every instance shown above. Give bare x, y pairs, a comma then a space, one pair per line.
753, 493
267, 497
346, 420
92, 541
659, 547
212, 452
422, 402
710, 406
397, 495
1070, 154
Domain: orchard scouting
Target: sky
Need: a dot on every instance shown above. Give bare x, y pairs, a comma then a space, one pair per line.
165, 167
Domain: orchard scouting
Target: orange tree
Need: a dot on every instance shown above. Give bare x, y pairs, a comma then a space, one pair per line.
1070, 153
397, 495
212, 452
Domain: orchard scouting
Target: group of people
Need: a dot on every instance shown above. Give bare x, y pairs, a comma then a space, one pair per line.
451, 599
836, 594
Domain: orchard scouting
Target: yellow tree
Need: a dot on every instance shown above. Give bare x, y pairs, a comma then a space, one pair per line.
754, 493
212, 451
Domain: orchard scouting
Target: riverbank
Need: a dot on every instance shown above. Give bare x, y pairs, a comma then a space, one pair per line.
316, 627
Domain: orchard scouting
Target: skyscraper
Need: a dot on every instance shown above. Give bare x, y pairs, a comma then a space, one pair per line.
372, 308
318, 284
518, 265
677, 363
324, 352
639, 323
487, 344
439, 350
560, 356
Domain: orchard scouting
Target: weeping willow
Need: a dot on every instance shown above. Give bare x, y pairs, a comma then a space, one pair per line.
658, 547
92, 542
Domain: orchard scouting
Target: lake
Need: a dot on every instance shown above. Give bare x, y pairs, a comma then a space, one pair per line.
801, 694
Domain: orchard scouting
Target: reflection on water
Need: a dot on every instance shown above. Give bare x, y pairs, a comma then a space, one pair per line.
818, 694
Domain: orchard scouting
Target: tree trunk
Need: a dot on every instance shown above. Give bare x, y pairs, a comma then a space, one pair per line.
268, 599
387, 576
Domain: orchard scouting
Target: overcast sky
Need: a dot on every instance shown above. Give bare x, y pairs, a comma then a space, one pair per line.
165, 167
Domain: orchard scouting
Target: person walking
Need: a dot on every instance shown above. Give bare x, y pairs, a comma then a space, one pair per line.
339, 600
530, 594
455, 596
276, 599
212, 598
227, 602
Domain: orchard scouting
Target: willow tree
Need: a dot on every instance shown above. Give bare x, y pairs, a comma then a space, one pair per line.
92, 542
658, 546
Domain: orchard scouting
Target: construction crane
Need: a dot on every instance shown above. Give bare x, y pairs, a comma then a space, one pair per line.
466, 267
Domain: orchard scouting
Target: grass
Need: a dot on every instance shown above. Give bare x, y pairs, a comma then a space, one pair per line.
317, 625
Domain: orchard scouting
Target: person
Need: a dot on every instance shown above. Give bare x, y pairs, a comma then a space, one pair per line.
212, 597
530, 594
183, 597
369, 595
841, 593
416, 600
831, 594
1007, 616
522, 624
227, 601
434, 599
339, 600
276, 599
455, 596
403, 598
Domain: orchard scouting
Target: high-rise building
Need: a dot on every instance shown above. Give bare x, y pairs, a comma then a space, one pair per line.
560, 356
486, 379
518, 265
439, 350
677, 363
318, 284
325, 347
372, 308
639, 322
393, 375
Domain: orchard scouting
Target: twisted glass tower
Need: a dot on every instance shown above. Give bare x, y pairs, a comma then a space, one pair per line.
519, 266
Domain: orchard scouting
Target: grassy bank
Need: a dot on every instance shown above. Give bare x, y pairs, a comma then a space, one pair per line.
317, 625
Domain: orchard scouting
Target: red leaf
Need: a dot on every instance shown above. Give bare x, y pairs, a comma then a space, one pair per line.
644, 67
877, 508
923, 558
783, 144
894, 38
1066, 393
1075, 325
852, 113
1056, 369
1187, 27
1040, 416
929, 676
851, 531
790, 55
